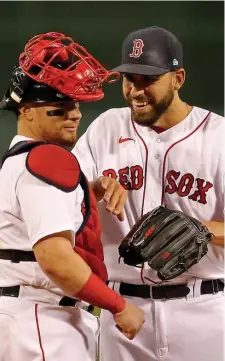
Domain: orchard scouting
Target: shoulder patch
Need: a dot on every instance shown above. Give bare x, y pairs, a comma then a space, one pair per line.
54, 165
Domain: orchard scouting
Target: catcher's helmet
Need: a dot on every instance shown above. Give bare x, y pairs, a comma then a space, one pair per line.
23, 89
54, 68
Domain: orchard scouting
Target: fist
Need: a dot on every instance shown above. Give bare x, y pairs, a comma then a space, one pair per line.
130, 320
111, 192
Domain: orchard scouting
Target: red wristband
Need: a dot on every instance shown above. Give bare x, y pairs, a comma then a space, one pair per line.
98, 294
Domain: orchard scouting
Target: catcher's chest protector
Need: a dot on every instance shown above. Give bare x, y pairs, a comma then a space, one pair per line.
39, 163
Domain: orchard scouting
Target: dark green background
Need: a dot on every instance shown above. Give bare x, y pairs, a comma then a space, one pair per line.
101, 27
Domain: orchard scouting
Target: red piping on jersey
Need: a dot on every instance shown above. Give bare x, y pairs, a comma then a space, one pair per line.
164, 161
145, 178
39, 333
142, 272
146, 164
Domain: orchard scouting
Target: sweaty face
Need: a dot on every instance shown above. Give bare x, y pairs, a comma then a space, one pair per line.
148, 97
56, 122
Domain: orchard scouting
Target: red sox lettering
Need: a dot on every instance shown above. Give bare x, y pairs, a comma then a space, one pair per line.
131, 178
185, 185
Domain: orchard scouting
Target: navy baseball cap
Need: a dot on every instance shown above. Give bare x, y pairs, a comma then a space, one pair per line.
151, 51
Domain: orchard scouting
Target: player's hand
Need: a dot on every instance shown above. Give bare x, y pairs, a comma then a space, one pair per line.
130, 320
112, 193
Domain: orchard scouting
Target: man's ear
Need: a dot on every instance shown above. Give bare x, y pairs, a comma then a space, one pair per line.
26, 112
179, 78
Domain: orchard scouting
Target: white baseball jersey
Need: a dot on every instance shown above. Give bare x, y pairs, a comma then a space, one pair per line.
33, 326
182, 168
30, 210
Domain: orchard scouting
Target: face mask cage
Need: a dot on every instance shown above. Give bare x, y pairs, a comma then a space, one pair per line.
57, 61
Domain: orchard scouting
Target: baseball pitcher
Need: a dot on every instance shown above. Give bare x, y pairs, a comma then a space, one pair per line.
170, 157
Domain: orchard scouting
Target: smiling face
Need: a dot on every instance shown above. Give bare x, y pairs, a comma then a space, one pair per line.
149, 96
51, 122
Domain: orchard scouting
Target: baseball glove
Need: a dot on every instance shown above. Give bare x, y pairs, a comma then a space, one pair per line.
170, 241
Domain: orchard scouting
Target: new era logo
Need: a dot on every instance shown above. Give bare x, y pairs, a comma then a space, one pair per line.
175, 62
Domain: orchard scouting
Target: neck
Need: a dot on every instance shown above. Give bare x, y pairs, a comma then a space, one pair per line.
176, 113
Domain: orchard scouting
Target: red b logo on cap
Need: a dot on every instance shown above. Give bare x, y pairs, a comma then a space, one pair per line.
137, 48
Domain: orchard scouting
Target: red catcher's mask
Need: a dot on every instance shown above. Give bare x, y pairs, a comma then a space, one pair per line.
57, 61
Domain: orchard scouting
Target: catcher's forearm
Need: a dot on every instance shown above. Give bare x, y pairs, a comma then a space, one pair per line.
70, 272
217, 228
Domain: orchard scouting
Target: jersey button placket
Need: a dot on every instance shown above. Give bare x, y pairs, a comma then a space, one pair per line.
156, 155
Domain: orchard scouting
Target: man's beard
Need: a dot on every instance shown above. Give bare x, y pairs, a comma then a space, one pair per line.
147, 119
57, 138
67, 143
